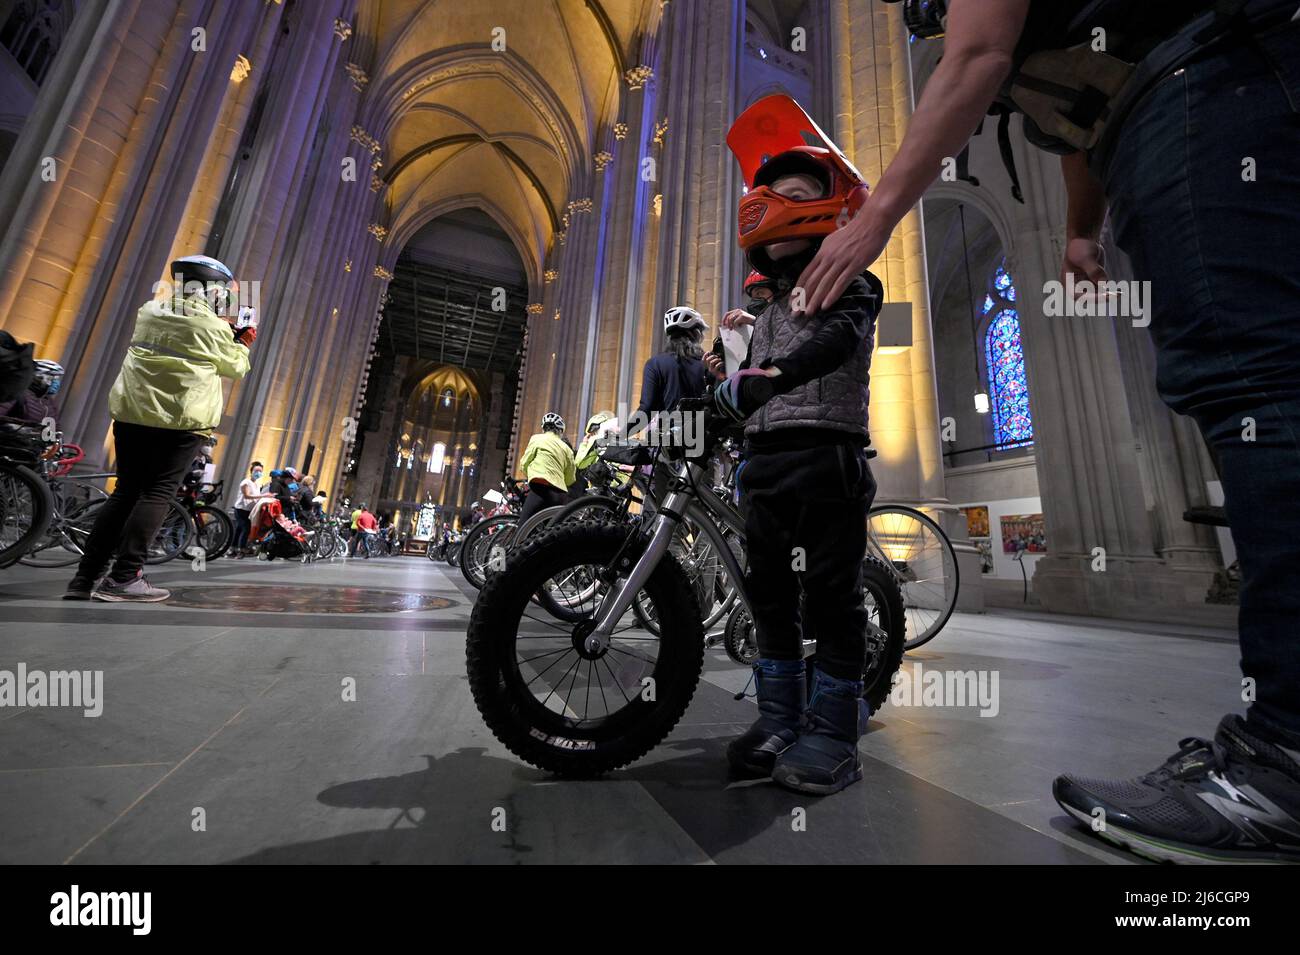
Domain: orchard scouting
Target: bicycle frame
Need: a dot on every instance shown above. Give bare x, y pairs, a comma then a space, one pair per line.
682, 500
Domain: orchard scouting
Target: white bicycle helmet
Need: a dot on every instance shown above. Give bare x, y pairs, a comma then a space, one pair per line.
552, 422
683, 318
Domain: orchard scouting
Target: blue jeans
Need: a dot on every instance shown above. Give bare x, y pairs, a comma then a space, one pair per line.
1223, 256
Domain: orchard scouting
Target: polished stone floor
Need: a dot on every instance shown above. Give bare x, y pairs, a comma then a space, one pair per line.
225, 737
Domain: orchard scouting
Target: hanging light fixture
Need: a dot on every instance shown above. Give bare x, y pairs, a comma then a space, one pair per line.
981, 397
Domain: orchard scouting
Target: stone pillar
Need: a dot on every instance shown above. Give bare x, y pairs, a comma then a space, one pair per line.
872, 103
298, 226
73, 282
697, 260
579, 294
871, 100
1094, 497
1174, 462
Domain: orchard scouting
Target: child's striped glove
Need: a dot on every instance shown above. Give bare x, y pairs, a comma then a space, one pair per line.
743, 393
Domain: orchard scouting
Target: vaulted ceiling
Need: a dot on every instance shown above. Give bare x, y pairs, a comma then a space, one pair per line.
497, 105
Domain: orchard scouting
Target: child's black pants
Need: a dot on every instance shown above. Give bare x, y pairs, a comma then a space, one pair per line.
806, 523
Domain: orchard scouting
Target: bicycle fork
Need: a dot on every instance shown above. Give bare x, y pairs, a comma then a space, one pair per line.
619, 598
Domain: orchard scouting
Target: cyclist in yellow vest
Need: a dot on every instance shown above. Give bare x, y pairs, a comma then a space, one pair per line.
548, 466
600, 425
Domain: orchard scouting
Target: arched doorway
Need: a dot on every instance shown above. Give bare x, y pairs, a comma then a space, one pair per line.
436, 423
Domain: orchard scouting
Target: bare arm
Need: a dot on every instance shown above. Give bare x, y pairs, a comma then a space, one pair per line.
980, 40
1085, 213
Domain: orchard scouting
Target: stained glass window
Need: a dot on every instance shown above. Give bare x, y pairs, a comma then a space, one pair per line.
1005, 363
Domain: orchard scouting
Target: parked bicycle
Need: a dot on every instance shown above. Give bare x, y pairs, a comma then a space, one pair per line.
214, 529
589, 695
26, 502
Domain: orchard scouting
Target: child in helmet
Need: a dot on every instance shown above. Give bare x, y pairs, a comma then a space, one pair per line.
36, 404
548, 466
165, 404
599, 425
803, 394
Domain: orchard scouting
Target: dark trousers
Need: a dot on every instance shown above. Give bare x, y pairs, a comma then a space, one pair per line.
806, 523
243, 526
151, 462
1221, 254
541, 496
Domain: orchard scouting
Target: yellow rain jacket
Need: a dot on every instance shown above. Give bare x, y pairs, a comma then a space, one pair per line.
547, 458
171, 376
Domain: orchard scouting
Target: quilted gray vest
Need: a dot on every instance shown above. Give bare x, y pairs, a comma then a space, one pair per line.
837, 401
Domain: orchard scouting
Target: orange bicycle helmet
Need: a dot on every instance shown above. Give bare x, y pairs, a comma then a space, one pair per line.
775, 138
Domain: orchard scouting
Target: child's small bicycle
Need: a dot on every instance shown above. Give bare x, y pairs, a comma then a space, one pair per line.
599, 690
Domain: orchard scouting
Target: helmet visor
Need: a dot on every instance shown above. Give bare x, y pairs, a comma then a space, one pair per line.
773, 125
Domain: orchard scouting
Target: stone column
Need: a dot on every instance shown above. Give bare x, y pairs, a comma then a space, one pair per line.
697, 261
632, 222
872, 103
1174, 462
871, 100
295, 225
1094, 497
579, 295
74, 281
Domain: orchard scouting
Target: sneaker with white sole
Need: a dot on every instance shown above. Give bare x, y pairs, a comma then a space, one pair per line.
1235, 798
136, 590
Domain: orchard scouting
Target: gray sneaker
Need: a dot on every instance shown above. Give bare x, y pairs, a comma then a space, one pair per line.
136, 590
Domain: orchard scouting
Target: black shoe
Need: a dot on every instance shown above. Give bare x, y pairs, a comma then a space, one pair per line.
80, 588
781, 690
1236, 799
825, 759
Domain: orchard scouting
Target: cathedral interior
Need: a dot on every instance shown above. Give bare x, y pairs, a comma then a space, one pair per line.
456, 216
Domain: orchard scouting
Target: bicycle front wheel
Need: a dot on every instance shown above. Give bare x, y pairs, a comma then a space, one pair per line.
549, 699
922, 558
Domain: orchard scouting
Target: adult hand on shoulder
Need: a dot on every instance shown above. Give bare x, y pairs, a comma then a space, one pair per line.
843, 255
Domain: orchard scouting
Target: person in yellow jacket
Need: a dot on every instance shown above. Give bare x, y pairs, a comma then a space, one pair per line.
165, 403
548, 466
601, 425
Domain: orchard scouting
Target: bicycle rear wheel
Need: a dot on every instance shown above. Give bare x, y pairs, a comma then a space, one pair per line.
922, 558
593, 507
886, 616
479, 549
76, 506
26, 509
537, 523
215, 531
175, 536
